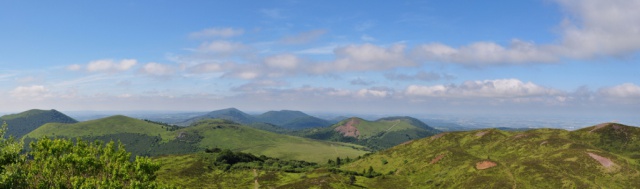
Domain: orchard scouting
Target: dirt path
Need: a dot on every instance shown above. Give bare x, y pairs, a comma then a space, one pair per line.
256, 185
392, 126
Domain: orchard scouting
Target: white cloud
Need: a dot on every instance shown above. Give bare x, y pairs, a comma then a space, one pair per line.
600, 28
374, 92
486, 53
366, 57
283, 61
499, 88
217, 32
593, 28
156, 69
304, 37
36, 92
105, 65
221, 47
626, 90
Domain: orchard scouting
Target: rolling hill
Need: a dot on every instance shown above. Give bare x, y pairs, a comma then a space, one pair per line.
274, 121
490, 158
231, 114
22, 123
293, 120
147, 138
380, 134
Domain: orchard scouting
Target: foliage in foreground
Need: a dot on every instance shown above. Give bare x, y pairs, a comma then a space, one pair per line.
61, 163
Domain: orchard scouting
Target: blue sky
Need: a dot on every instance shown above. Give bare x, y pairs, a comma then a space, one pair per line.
573, 57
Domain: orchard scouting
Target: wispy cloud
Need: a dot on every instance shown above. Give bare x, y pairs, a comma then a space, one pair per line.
366, 57
157, 69
217, 32
499, 88
420, 76
35, 92
105, 66
592, 29
304, 37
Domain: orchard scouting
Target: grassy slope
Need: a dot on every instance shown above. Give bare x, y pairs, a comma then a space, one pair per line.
543, 158
144, 138
105, 126
191, 171
246, 139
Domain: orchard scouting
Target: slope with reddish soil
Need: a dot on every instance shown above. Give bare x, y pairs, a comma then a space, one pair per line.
348, 129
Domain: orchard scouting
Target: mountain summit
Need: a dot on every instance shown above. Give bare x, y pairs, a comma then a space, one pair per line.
22, 123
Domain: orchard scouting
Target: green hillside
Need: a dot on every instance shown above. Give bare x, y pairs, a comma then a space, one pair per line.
100, 127
280, 117
293, 120
274, 121
215, 133
379, 134
231, 114
22, 123
491, 158
147, 138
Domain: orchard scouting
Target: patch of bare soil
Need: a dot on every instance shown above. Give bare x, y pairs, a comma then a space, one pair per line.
480, 134
348, 129
605, 162
485, 164
438, 158
437, 136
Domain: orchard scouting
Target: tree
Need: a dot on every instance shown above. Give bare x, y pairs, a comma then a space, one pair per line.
352, 179
10, 159
61, 163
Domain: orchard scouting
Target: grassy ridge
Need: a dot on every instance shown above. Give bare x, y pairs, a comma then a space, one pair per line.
146, 138
543, 158
105, 126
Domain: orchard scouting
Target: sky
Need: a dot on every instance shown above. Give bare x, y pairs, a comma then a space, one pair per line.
543, 57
